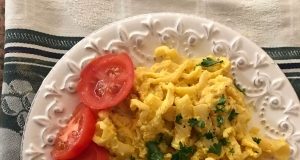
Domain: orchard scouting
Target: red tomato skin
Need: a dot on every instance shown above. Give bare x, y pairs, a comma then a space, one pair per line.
87, 130
86, 90
93, 152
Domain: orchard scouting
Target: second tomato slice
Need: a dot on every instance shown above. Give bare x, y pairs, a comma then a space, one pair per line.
76, 135
93, 152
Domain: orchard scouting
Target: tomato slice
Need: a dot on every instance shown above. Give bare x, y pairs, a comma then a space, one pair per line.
76, 135
93, 152
106, 81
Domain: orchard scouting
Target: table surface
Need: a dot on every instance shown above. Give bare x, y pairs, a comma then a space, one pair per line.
2, 29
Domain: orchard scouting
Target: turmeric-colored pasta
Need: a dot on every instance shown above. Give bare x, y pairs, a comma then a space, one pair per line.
189, 104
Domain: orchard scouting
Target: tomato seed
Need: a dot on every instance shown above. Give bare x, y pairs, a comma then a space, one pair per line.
100, 92
112, 73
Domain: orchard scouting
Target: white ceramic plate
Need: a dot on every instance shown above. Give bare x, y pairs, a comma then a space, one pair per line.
277, 105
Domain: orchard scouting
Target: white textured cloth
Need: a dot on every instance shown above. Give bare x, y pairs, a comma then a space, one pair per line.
268, 23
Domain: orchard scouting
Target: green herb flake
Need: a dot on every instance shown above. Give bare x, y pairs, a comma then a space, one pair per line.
218, 109
200, 135
224, 142
153, 151
239, 89
208, 62
215, 149
178, 119
161, 138
132, 158
209, 136
221, 102
220, 120
256, 140
194, 122
232, 151
184, 152
232, 115
256, 151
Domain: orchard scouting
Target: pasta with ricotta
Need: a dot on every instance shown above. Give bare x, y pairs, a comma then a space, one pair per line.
188, 108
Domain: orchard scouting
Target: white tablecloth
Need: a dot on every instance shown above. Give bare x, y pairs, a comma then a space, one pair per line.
269, 23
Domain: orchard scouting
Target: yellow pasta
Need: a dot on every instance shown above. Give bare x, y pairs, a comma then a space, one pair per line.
178, 103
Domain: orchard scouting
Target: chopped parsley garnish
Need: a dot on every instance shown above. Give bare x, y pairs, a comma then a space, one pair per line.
194, 122
153, 151
209, 135
184, 152
238, 88
132, 158
231, 151
215, 149
178, 119
161, 138
224, 142
232, 115
220, 120
208, 62
218, 109
256, 140
200, 135
221, 102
